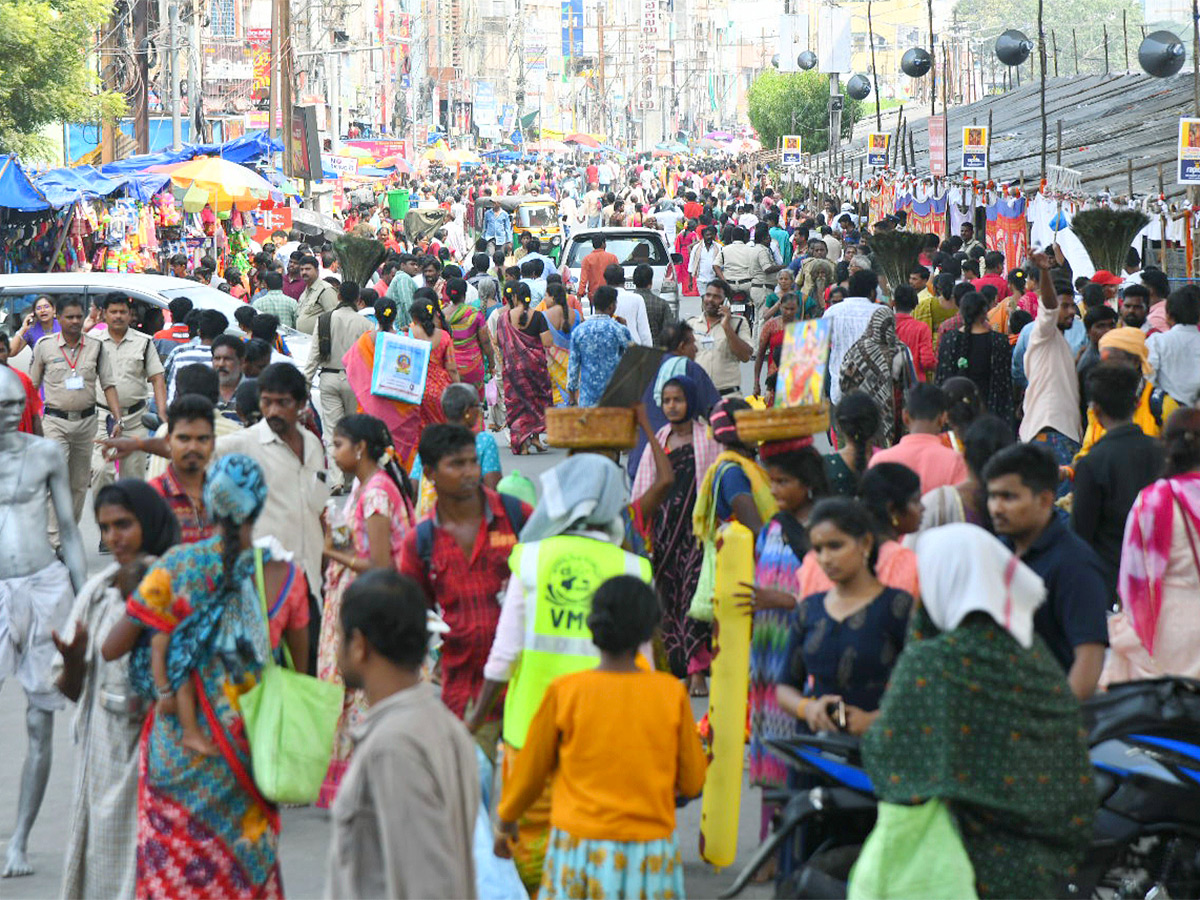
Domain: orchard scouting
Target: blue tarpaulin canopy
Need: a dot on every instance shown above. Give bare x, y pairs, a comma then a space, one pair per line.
60, 187
247, 148
63, 186
16, 190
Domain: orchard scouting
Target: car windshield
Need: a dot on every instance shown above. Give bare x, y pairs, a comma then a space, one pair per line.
538, 216
630, 250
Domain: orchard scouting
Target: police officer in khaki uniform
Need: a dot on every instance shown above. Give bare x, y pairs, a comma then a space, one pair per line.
137, 368
68, 366
336, 333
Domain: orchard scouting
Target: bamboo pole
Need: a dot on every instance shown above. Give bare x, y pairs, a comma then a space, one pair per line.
1058, 155
1075, 44
1125, 31
874, 71
1054, 44
1105, 48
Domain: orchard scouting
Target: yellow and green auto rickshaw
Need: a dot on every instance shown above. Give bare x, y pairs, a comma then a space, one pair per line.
540, 217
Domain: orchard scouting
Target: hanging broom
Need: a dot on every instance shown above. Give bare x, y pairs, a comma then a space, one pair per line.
359, 257
1106, 234
895, 254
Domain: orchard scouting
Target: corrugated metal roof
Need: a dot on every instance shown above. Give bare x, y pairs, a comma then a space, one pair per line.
1107, 121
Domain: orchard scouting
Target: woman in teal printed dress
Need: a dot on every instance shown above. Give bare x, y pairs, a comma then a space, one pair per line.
204, 830
856, 420
978, 715
797, 482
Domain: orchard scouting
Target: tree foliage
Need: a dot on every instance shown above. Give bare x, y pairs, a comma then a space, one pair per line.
44, 71
782, 103
986, 19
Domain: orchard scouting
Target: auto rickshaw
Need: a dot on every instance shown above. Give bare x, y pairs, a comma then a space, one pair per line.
540, 217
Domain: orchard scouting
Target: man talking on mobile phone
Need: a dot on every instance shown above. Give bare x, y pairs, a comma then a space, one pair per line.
721, 339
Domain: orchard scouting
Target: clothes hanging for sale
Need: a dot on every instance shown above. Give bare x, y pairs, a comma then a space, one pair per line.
961, 205
1006, 230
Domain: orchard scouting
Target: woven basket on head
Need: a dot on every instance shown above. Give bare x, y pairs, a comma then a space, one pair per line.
591, 428
781, 423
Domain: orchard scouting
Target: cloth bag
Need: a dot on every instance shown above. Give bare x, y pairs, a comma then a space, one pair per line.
290, 720
913, 852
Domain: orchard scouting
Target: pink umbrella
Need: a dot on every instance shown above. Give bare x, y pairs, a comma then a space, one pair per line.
585, 140
395, 162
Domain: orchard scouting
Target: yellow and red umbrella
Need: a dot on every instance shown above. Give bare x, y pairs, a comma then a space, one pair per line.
216, 182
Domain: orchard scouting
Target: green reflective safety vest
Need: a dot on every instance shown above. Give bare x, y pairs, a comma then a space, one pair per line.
559, 576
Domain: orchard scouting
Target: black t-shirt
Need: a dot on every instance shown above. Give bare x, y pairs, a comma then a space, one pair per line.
1075, 611
536, 324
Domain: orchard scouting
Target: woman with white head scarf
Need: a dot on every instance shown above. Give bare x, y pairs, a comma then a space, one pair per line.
979, 717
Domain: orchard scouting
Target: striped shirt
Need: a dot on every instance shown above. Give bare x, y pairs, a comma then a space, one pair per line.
188, 354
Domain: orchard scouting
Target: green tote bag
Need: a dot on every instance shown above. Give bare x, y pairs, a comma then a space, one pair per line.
290, 720
913, 853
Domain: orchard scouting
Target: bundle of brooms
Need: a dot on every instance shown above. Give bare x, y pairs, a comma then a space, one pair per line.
895, 254
359, 257
1107, 234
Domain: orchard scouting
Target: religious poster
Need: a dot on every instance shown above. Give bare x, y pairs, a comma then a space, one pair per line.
791, 149
401, 364
803, 360
1189, 151
878, 144
974, 147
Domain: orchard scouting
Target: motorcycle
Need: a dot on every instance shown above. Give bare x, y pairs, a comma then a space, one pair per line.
1144, 745
740, 304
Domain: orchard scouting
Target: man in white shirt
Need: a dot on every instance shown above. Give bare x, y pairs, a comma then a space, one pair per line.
631, 308
456, 237
668, 217
704, 254
848, 321
1174, 353
747, 219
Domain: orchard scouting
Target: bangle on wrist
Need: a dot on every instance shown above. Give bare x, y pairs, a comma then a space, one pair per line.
163, 692
802, 707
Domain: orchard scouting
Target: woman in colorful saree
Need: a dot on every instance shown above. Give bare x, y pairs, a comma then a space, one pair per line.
561, 318
523, 337
403, 420
472, 342
204, 829
979, 718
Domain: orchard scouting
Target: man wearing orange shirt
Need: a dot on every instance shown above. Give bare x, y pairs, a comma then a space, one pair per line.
591, 272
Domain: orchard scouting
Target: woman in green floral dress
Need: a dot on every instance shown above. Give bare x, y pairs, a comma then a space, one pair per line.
979, 715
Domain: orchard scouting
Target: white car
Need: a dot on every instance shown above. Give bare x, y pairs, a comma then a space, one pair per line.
630, 246
18, 292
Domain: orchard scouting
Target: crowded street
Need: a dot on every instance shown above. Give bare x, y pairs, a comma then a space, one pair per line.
723, 453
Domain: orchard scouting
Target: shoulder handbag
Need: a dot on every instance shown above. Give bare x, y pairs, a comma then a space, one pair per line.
290, 720
913, 852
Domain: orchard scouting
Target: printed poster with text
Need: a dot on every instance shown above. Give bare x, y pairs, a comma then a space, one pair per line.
1189, 151
791, 150
803, 361
878, 143
401, 363
975, 147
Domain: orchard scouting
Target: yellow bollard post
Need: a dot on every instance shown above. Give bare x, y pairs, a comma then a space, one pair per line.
728, 697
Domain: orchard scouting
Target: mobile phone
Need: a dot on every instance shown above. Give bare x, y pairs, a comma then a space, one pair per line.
837, 712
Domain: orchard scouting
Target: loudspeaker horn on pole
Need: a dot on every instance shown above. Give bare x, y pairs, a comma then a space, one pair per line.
916, 62
775, 60
858, 87
807, 60
1013, 48
1161, 54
